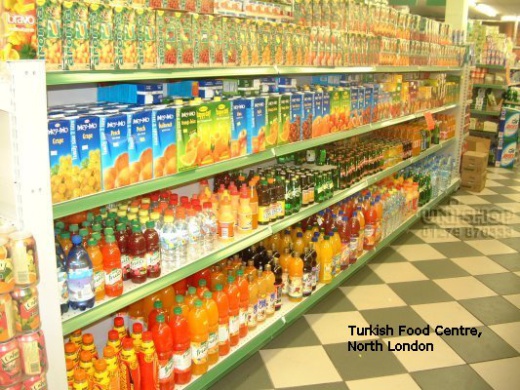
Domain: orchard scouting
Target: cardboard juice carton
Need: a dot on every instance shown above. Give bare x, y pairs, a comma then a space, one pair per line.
125, 31
314, 48
114, 129
295, 133
273, 120
167, 37
86, 146
146, 39
354, 119
334, 108
369, 101
140, 146
187, 138
50, 34
205, 125
361, 105
222, 128
257, 108
76, 33
229, 40
18, 39
201, 33
164, 140
216, 39
277, 49
243, 44
289, 49
346, 107
64, 172
101, 36
242, 122
284, 130
317, 123
187, 51
256, 42
327, 123
308, 114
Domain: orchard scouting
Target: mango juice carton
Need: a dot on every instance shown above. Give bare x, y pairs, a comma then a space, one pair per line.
308, 114
216, 39
284, 130
164, 139
17, 30
201, 27
295, 133
289, 48
326, 112
114, 129
125, 32
273, 120
254, 42
186, 49
167, 39
140, 146
86, 146
76, 33
229, 41
49, 34
257, 108
334, 108
369, 101
242, 121
277, 52
187, 138
222, 128
146, 39
101, 20
205, 133
64, 172
317, 123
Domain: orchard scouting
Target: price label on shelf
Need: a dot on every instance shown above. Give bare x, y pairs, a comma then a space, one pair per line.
430, 122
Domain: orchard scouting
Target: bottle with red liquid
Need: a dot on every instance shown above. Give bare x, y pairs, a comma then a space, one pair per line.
233, 293
137, 252
344, 235
112, 267
370, 227
181, 347
361, 219
157, 309
148, 363
122, 243
153, 251
202, 288
163, 340
354, 237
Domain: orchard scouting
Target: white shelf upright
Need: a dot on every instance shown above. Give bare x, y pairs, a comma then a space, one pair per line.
25, 193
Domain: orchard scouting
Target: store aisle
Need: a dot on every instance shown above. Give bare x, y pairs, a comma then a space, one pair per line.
459, 266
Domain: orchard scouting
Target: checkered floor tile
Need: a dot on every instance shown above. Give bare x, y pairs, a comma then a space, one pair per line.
458, 266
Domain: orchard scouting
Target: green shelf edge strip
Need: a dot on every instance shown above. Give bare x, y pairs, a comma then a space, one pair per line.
492, 86
97, 76
480, 112
106, 197
245, 351
110, 306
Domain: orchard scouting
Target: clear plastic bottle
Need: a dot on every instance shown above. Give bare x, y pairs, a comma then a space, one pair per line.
167, 242
194, 234
180, 228
80, 275
209, 227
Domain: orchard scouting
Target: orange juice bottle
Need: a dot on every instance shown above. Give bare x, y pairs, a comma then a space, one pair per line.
199, 334
226, 220
212, 310
119, 326
295, 230
136, 314
112, 266
71, 368
88, 345
217, 277
168, 298
262, 296
66, 243
147, 303
191, 297
233, 294
180, 302
222, 301
285, 260
250, 269
253, 203
181, 347
286, 240
243, 287
86, 362
137, 336
111, 357
157, 309
201, 289
252, 309
295, 289
81, 380
299, 244
307, 236
361, 241
336, 244
114, 341
99, 272
325, 255
101, 376
270, 290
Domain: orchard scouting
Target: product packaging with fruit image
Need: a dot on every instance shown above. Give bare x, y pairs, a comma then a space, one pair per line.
187, 138
295, 133
101, 21
140, 146
125, 31
242, 121
146, 39
86, 147
256, 108
114, 131
17, 30
308, 114
284, 128
273, 121
76, 33
164, 137
50, 33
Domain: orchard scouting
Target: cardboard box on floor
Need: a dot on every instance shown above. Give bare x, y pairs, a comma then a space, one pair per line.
478, 144
475, 162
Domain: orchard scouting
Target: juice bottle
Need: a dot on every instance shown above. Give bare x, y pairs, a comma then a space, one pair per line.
153, 255
199, 334
137, 336
149, 364
344, 234
71, 368
80, 277
262, 296
308, 273
245, 213
99, 273
209, 227
71, 352
299, 244
191, 297
270, 290
294, 233
147, 303
131, 374
195, 247
233, 294
379, 218
88, 345
325, 255
212, 310
178, 249
336, 246
235, 202
370, 227
295, 290
250, 269
202, 288
243, 287
307, 236
81, 380
225, 220
217, 277
180, 303
137, 252
278, 283
361, 219
122, 243
222, 301
168, 299
285, 260
354, 237
83, 233
101, 378
264, 203
119, 327
114, 341
163, 340
157, 310
181, 286
112, 266
181, 347
252, 309
66, 243
286, 240
86, 362
112, 360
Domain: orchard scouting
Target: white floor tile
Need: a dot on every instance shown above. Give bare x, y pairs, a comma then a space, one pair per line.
514, 299
499, 231
331, 328
491, 183
375, 296
466, 287
400, 381
470, 199
433, 236
447, 314
397, 272
513, 207
509, 332
491, 247
515, 197
418, 252
479, 265
501, 374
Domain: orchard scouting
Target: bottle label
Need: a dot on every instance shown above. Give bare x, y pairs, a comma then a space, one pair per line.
307, 283
223, 333
245, 221
345, 254
165, 369
154, 261
242, 316
138, 265
262, 304
281, 208
311, 195
182, 360
271, 303
99, 281
63, 289
264, 214
327, 271
168, 241
125, 264
279, 292
336, 260
295, 287
285, 283
81, 284
369, 235
252, 312
226, 230
213, 341
113, 277
199, 352
313, 277
254, 207
317, 274
234, 325
361, 240
353, 248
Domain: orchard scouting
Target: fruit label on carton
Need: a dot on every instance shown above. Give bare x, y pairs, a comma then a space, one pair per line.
64, 185
187, 50
164, 141
125, 31
216, 40
167, 55
187, 138
318, 114
101, 36
277, 52
146, 39
114, 151
18, 39
326, 111
201, 35
49, 31
242, 121
221, 137
254, 42
314, 46
140, 146
273, 121
76, 33
242, 41
284, 130
230, 40
308, 114
256, 141
334, 103
295, 133
86, 145
205, 133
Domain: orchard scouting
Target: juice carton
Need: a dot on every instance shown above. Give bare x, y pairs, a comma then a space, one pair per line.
50, 33
314, 49
327, 123
17, 30
76, 33
308, 114
354, 119
289, 45
229, 40
125, 31
273, 120
369, 103
146, 39
114, 150
64, 185
316, 12
334, 103
86, 147
345, 108
167, 55
205, 133
222, 128
208, 89
337, 47
256, 107
164, 139
326, 13
101, 36
277, 51
259, 37
241, 87
317, 123
361, 105
216, 48
268, 85
187, 138
295, 133
306, 46
284, 130
242, 121
185, 49
201, 33
243, 43
140, 146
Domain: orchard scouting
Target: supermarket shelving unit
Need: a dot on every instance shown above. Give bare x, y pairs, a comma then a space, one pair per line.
23, 110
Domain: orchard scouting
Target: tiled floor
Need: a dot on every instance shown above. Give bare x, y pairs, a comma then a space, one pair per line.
460, 266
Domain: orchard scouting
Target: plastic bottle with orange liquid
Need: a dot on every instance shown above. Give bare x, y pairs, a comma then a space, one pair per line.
199, 335
212, 310
295, 290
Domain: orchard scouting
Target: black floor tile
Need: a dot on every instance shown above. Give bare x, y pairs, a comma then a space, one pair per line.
424, 291
299, 334
503, 283
440, 269
492, 310
510, 261
456, 249
335, 302
394, 317
450, 378
251, 375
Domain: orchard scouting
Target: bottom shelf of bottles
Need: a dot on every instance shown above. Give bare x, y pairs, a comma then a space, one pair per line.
291, 311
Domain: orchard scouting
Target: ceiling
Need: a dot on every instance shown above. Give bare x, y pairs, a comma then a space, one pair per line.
504, 7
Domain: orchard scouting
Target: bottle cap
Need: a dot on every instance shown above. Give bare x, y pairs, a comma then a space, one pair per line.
73, 228
109, 239
128, 342
231, 278
100, 365
178, 311
218, 287
119, 322
158, 304
109, 232
202, 282
208, 294
147, 336
113, 335
137, 327
179, 298
109, 351
70, 347
92, 242
85, 356
192, 290
160, 317
76, 240
136, 229
65, 235
80, 375
198, 303
150, 225
327, 238
299, 234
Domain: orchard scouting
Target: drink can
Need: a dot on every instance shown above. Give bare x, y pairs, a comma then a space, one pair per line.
32, 346
10, 363
6, 318
37, 382
14, 386
6, 267
26, 310
25, 258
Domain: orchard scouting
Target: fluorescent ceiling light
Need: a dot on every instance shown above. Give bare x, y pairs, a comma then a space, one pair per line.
486, 10
510, 18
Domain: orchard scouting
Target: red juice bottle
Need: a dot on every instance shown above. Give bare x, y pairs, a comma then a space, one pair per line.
153, 257
112, 267
181, 347
137, 252
344, 235
157, 309
233, 293
361, 219
354, 237
202, 288
370, 227
148, 363
122, 243
163, 340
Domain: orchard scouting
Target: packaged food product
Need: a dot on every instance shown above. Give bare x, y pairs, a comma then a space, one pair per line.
50, 33
87, 149
10, 363
140, 146
25, 258
164, 136
125, 33
38, 382
32, 346
17, 30
26, 310
187, 138
6, 267
76, 33
101, 21
146, 39
6, 318
114, 151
